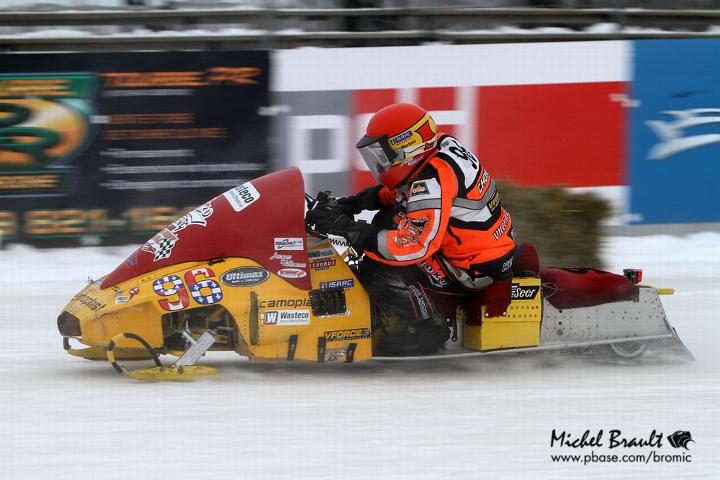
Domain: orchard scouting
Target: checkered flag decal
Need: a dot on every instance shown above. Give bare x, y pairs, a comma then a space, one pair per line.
163, 248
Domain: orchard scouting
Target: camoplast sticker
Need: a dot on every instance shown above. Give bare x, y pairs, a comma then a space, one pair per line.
292, 273
350, 334
279, 318
244, 277
285, 303
289, 243
89, 302
242, 196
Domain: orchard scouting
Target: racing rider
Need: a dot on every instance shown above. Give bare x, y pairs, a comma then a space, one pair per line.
435, 200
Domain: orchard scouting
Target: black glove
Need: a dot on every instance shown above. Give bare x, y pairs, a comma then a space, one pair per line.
328, 219
367, 199
332, 220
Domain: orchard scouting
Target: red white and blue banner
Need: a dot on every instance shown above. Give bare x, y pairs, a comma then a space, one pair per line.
535, 114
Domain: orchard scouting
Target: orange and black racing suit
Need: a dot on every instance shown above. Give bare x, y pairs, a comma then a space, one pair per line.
451, 208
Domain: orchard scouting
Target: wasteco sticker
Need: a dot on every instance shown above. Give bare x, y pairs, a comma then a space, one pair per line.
244, 277
286, 317
352, 334
242, 196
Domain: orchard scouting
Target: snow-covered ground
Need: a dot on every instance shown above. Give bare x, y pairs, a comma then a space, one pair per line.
63, 417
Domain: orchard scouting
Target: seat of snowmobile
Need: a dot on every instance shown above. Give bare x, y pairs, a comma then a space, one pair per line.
585, 287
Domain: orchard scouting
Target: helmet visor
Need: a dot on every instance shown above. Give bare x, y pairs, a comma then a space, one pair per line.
374, 155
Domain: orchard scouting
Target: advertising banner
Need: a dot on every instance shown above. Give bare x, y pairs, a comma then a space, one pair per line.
674, 169
121, 144
535, 114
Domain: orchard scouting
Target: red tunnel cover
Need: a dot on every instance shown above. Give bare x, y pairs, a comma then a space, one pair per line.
262, 220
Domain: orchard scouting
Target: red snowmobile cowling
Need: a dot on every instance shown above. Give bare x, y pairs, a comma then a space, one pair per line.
256, 220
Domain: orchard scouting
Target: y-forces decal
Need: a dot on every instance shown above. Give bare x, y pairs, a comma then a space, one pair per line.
351, 334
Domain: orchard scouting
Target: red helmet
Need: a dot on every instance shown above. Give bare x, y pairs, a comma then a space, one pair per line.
396, 143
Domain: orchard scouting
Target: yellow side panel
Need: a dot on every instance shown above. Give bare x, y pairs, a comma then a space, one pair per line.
521, 326
277, 298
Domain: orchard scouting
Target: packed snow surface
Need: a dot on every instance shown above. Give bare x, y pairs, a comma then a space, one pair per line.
64, 417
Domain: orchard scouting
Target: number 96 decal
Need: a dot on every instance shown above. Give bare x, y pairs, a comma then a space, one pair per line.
205, 291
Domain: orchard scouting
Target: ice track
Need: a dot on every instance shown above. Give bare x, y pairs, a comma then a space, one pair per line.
63, 417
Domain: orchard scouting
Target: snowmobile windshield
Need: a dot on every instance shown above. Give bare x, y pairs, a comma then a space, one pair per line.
254, 220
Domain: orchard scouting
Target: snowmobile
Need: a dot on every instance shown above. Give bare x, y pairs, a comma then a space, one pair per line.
241, 273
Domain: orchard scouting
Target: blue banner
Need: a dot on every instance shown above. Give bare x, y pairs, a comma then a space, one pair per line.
674, 170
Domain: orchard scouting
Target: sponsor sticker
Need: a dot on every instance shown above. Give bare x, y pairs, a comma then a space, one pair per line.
503, 226
402, 137
350, 334
242, 196
287, 260
313, 242
197, 217
323, 252
437, 277
292, 273
524, 293
289, 243
419, 188
121, 298
285, 303
162, 244
335, 354
346, 283
323, 264
244, 277
89, 302
280, 318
